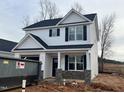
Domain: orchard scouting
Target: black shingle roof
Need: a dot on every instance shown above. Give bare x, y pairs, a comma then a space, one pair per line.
6, 45
44, 23
91, 16
53, 22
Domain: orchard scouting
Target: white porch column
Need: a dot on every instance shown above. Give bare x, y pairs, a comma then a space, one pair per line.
59, 59
88, 60
43, 59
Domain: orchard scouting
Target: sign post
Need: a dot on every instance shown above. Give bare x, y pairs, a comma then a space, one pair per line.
23, 85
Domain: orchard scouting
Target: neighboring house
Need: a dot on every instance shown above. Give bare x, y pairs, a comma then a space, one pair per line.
6, 47
66, 45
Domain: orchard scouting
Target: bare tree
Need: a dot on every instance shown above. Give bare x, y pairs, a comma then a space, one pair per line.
48, 10
26, 21
106, 29
78, 7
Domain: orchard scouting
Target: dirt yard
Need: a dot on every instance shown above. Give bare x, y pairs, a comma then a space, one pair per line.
118, 68
103, 82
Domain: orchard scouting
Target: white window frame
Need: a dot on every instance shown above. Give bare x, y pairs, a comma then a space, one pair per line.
75, 64
75, 33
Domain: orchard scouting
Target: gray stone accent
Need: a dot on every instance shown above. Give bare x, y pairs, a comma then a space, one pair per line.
73, 75
59, 75
81, 75
87, 76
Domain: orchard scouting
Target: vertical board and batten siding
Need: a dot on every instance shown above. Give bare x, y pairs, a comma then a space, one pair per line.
10, 70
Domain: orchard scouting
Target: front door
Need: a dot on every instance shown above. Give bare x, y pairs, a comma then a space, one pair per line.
55, 65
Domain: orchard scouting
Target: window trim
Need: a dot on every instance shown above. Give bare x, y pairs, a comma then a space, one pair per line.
75, 64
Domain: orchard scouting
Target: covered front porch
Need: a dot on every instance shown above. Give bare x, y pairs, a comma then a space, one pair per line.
63, 64
71, 64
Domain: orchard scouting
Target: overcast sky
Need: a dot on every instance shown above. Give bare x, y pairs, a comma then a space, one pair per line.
12, 13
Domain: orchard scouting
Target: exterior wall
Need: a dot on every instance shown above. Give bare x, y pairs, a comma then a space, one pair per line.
94, 61
29, 43
44, 35
94, 52
73, 18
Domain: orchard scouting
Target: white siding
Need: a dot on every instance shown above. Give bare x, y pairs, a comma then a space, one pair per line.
60, 40
29, 43
94, 52
73, 17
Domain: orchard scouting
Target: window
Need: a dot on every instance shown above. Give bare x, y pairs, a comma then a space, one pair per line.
79, 60
79, 33
71, 63
75, 33
54, 32
75, 63
71, 33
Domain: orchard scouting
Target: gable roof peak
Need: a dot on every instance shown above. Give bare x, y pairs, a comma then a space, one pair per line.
71, 11
56, 21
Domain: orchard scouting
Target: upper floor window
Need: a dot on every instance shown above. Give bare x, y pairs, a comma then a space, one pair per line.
75, 33
54, 32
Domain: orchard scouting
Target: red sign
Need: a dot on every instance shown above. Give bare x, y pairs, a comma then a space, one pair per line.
20, 65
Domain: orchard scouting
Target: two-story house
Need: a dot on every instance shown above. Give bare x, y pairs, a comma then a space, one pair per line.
67, 46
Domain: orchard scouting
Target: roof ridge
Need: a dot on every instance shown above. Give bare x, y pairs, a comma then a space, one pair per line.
52, 19
89, 14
